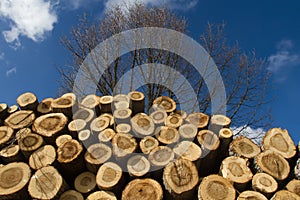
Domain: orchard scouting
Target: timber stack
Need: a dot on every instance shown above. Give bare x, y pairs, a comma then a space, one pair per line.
108, 148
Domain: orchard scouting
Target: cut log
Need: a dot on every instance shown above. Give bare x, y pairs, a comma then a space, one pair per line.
200, 120
62, 138
123, 128
216, 187
64, 104
225, 136
159, 117
173, 120
122, 116
159, 158
148, 143
76, 126
44, 106
50, 126
297, 170
251, 195
99, 124
182, 113
121, 101
3, 111
6, 135
164, 103
294, 186
217, 122
265, 184
22, 132
11, 154
279, 140
106, 104
27, 101
110, 177
12, 109
102, 195
70, 156
96, 155
167, 135
123, 145
14, 178
272, 163
189, 151
91, 102
85, 183
47, 183
138, 166
142, 125
106, 135
137, 102
110, 118
86, 138
85, 114
243, 147
180, 179
71, 195
188, 131
143, 189
42, 157
29, 143
235, 169
285, 194
20, 119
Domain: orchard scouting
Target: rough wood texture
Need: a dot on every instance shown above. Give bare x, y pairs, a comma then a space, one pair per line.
121, 101
159, 158
143, 189
62, 138
102, 195
251, 195
189, 151
13, 180
216, 187
243, 147
27, 101
91, 102
20, 119
173, 120
286, 195
42, 157
110, 119
44, 106
235, 169
180, 179
50, 126
29, 143
200, 120
85, 114
297, 169
164, 103
294, 186
167, 135
47, 183
85, 183
99, 124
106, 104
12, 109
71, 195
6, 135
11, 154
123, 128
86, 138
106, 135
122, 116
188, 131
138, 166
159, 117
272, 163
123, 145
265, 184
279, 140
137, 102
76, 126
217, 122
142, 125
64, 104
148, 143
182, 113
225, 136
3, 111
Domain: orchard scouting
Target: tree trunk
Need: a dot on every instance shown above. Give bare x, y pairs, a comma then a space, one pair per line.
110, 118
20, 119
76, 126
29, 143
106, 135
96, 155
142, 125
216, 187
3, 111
225, 136
235, 169
181, 113
27, 101
71, 195
188, 131
200, 120
122, 116
42, 157
180, 179
217, 122
243, 147
85, 114
106, 104
159, 117
64, 104
86, 139
44, 106
61, 139
102, 195
173, 121
137, 102
251, 195
85, 183
121, 101
148, 143
47, 183
143, 189
138, 166
12, 109
14, 179
265, 184
50, 126
189, 151
167, 135
91, 102
6, 135
285, 194
164, 103
294, 186
11, 154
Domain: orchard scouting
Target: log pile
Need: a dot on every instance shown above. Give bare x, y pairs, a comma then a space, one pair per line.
109, 148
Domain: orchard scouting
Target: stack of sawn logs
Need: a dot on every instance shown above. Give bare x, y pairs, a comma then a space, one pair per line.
108, 148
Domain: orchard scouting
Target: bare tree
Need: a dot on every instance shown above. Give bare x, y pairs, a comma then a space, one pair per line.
244, 75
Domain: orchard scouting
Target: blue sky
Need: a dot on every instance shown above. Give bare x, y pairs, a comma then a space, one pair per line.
30, 50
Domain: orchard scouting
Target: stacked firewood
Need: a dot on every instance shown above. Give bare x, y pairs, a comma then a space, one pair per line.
108, 148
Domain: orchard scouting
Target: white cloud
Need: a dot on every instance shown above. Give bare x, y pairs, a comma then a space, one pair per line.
284, 57
256, 135
2, 55
11, 71
29, 18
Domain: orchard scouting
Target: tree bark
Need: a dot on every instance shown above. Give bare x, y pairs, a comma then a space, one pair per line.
47, 183
29, 143
216, 187
225, 136
265, 184
44, 106
14, 179
251, 195
42, 157
85, 183
71, 194
297, 169
137, 102
106, 104
102, 195
180, 179
143, 189
138, 166
27, 101
92, 102
164, 103
3, 111
20, 119
200, 120
173, 121
148, 143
